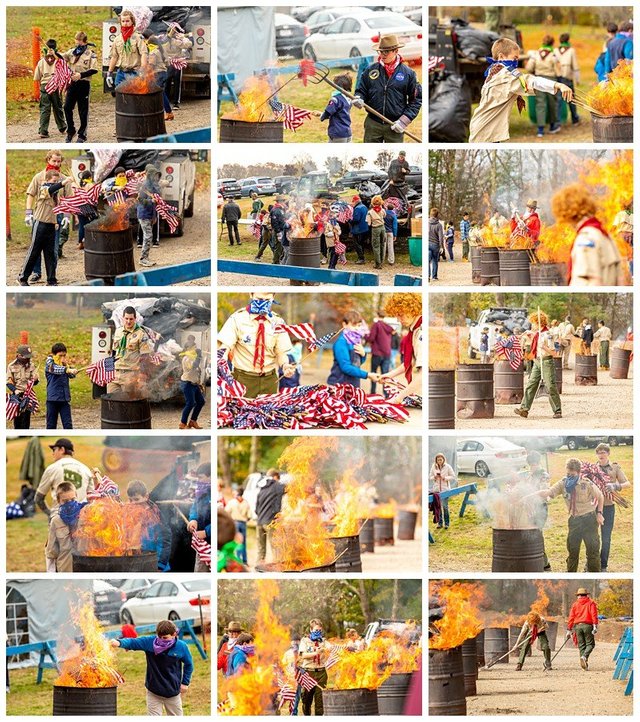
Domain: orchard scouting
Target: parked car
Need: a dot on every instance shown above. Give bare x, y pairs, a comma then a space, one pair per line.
229, 188
590, 442
351, 178
401, 628
353, 35
131, 587
489, 456
261, 186
323, 17
285, 183
172, 600
107, 601
302, 12
290, 35
220, 201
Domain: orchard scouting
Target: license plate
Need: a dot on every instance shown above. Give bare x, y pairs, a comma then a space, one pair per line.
102, 598
286, 33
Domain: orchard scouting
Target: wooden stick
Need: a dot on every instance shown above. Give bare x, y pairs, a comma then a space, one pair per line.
184, 518
317, 348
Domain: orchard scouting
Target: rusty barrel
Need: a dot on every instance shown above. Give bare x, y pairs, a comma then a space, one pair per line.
145, 562
518, 550
119, 411
407, 520
474, 257
367, 543
620, 358
85, 701
347, 553
383, 531
474, 392
244, 131
107, 254
496, 643
586, 372
508, 384
139, 116
548, 274
446, 683
480, 649
305, 252
470, 666
514, 633
267, 567
514, 267
442, 399
489, 267
552, 635
348, 702
557, 363
612, 129
392, 694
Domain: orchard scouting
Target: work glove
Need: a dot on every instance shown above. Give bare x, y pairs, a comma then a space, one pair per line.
401, 124
576, 78
611, 487
110, 81
568, 634
358, 102
28, 217
594, 630
64, 223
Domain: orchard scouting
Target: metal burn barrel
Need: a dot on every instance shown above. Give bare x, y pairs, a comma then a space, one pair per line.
407, 521
367, 541
347, 553
383, 531
346, 702
144, 562
518, 550
107, 254
470, 666
548, 274
514, 267
496, 643
620, 359
586, 371
480, 648
139, 116
508, 384
277, 567
85, 701
489, 267
474, 392
446, 683
305, 252
442, 399
392, 694
612, 129
552, 634
244, 131
474, 257
120, 411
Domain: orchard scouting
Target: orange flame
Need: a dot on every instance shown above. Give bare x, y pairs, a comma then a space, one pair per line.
142, 83
615, 95
386, 511
461, 619
116, 218
252, 106
353, 502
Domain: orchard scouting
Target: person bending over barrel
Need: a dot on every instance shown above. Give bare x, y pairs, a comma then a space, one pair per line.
534, 627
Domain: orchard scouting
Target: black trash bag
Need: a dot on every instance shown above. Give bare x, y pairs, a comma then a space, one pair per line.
137, 159
475, 44
450, 110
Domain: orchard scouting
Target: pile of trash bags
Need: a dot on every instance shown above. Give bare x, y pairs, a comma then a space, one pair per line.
449, 110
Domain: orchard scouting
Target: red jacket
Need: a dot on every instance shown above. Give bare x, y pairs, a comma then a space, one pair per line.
583, 611
532, 222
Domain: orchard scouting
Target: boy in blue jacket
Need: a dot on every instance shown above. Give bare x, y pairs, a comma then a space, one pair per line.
200, 513
391, 232
58, 373
349, 354
359, 227
169, 668
338, 111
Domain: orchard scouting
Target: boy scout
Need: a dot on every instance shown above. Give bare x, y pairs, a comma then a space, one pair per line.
580, 496
48, 101
618, 482
19, 373
131, 346
534, 627
83, 63
129, 52
255, 346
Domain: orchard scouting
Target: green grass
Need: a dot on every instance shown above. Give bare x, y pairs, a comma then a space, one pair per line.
316, 97
60, 23
28, 698
467, 544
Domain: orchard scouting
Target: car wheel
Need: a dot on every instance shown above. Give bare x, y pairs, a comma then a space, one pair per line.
308, 52
572, 444
482, 470
612, 441
188, 212
355, 53
125, 617
173, 616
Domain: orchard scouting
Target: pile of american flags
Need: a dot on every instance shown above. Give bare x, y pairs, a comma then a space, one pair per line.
61, 77
509, 349
106, 487
17, 405
343, 211
601, 479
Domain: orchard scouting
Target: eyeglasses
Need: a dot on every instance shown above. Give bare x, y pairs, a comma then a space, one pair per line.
387, 52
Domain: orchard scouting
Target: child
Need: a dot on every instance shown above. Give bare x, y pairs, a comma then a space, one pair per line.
169, 668
129, 52
256, 205
504, 86
58, 373
332, 235
48, 101
349, 354
544, 64
465, 229
569, 71
83, 62
59, 548
191, 384
375, 219
449, 238
391, 232
20, 373
200, 513
229, 546
338, 111
146, 211
294, 356
151, 540
484, 346
239, 657
86, 181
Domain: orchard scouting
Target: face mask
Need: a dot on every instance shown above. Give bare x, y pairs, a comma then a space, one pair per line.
508, 64
352, 336
70, 510
162, 645
260, 307
202, 489
316, 635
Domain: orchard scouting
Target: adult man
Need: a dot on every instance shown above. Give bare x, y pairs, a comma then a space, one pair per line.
226, 645
64, 468
583, 621
465, 229
132, 347
566, 334
312, 657
528, 225
278, 223
436, 243
231, 214
268, 506
359, 227
398, 170
618, 482
540, 348
129, 52
581, 497
603, 336
19, 373
257, 344
379, 337
392, 89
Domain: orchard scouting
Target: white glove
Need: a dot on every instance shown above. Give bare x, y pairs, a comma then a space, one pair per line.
401, 124
594, 630
28, 218
568, 633
64, 223
109, 81
358, 102
576, 78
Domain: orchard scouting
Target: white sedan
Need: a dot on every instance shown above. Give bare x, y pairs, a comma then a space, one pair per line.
487, 456
172, 600
354, 35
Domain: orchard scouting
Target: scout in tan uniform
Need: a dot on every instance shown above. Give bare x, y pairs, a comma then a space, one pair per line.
131, 346
162, 48
58, 550
603, 335
581, 497
504, 86
619, 481
407, 308
48, 101
543, 64
255, 347
19, 373
566, 335
129, 52
83, 63
569, 70
312, 656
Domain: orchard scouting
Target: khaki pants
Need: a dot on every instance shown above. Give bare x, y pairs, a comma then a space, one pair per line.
566, 353
124, 382
391, 256
376, 132
156, 705
256, 385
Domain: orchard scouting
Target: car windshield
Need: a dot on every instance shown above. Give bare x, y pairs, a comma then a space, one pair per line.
382, 22
197, 585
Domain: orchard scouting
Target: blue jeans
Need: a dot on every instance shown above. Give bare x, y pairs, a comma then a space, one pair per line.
609, 513
445, 513
450, 249
193, 401
379, 362
161, 80
434, 257
123, 75
241, 527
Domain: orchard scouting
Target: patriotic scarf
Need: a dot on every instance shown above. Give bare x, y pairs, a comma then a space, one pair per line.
391, 67
163, 645
406, 349
534, 341
495, 66
534, 633
352, 336
248, 649
126, 36
70, 511
202, 489
570, 483
260, 307
588, 223
316, 635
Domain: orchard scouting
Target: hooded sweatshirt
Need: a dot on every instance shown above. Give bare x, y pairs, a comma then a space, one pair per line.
583, 611
436, 234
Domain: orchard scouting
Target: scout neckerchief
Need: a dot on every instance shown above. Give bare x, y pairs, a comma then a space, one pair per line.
406, 349
545, 51
588, 223
126, 36
261, 309
563, 48
570, 484
495, 66
534, 633
122, 346
534, 341
391, 67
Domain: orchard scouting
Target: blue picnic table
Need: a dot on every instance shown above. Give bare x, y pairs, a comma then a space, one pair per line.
623, 657
467, 490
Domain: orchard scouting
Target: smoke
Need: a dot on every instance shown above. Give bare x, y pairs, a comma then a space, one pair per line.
514, 505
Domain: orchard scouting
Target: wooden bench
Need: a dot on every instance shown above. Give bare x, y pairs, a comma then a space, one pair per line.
467, 490
299, 273
162, 276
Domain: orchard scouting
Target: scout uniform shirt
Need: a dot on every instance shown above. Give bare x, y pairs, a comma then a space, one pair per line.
566, 57
239, 335
19, 375
595, 259
44, 204
321, 649
43, 72
545, 66
67, 469
137, 344
85, 62
586, 496
603, 334
614, 471
132, 59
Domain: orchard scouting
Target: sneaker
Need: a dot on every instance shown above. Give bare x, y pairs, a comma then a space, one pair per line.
146, 262
69, 138
360, 262
176, 106
258, 258
323, 262
521, 412
156, 244
547, 666
82, 138
583, 663
555, 128
35, 278
43, 135
22, 282
62, 131
576, 121
139, 245
540, 132
557, 415
518, 667
238, 243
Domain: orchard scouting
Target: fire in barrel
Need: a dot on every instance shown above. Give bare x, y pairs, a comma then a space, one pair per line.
611, 106
252, 120
139, 108
108, 245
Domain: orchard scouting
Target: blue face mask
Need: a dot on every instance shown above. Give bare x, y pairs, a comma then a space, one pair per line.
70, 510
316, 635
570, 482
508, 64
260, 307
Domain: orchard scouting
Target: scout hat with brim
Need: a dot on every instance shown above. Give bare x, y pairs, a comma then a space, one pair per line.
388, 42
234, 627
582, 591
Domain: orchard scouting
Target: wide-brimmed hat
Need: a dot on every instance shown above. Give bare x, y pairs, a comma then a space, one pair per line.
582, 591
234, 627
531, 203
388, 42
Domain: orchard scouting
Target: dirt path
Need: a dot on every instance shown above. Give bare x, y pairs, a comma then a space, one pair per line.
102, 128
193, 246
456, 273
566, 690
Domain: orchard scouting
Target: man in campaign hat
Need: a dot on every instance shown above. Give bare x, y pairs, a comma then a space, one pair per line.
583, 622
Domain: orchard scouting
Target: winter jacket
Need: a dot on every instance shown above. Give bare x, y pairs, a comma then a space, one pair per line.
359, 220
269, 501
231, 212
436, 234
346, 364
338, 113
583, 611
146, 208
289, 382
391, 222
277, 219
201, 512
57, 381
379, 338
399, 95
165, 671
618, 48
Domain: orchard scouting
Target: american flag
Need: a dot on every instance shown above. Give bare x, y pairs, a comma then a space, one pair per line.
399, 205
117, 198
106, 487
179, 63
292, 117
341, 249
203, 549
78, 202
13, 407
61, 77
166, 212
102, 372
134, 181
320, 342
227, 384
304, 679
224, 706
509, 349
17, 405
156, 359
256, 230
434, 61
305, 332
343, 211
334, 656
